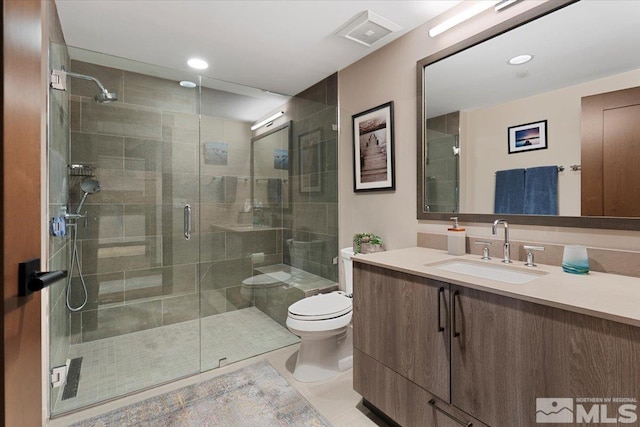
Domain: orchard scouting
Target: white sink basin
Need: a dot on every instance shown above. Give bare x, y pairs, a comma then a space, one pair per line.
501, 273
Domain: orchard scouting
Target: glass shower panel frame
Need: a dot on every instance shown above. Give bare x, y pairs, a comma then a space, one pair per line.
58, 159
241, 223
140, 325
168, 300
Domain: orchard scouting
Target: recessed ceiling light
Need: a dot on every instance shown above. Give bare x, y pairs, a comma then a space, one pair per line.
187, 83
198, 64
520, 59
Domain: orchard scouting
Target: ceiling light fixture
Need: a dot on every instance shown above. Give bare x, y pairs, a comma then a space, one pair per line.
504, 4
267, 120
197, 63
466, 14
520, 59
188, 84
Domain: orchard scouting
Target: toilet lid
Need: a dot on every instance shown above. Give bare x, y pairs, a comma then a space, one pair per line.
321, 306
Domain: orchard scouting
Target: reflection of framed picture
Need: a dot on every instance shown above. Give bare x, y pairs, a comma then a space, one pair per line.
528, 137
215, 153
281, 159
373, 149
311, 161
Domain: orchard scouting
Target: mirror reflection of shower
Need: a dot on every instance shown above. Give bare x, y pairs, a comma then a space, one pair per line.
59, 82
88, 186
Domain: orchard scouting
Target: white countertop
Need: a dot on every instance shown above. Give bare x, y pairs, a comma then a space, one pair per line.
608, 296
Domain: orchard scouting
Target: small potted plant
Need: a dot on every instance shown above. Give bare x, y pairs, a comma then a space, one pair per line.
367, 243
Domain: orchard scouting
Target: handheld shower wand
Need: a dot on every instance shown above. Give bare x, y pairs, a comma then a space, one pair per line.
88, 186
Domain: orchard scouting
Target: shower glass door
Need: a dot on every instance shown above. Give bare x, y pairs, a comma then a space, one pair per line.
137, 240
177, 214
241, 226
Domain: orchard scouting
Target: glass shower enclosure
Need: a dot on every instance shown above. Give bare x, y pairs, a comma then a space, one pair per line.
193, 239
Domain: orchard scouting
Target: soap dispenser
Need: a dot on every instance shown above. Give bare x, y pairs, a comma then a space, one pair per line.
456, 239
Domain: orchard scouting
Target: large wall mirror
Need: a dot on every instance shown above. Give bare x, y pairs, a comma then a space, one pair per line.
475, 107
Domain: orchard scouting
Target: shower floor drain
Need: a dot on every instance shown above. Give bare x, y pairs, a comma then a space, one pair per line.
73, 379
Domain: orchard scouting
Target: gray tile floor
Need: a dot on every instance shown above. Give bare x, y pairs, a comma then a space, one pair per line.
120, 365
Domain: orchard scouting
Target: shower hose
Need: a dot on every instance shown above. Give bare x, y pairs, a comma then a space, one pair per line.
75, 260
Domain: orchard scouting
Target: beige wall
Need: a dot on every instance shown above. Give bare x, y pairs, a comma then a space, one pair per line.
483, 141
389, 74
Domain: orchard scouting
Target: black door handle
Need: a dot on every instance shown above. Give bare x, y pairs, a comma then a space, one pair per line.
432, 402
31, 279
453, 310
440, 295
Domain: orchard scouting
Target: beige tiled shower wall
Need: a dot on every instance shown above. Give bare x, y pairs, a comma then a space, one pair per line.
312, 220
140, 270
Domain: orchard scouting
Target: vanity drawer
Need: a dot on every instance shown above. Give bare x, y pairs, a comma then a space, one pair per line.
402, 400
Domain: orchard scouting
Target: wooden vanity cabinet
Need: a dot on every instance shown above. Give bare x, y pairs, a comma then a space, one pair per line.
495, 357
401, 347
505, 353
395, 321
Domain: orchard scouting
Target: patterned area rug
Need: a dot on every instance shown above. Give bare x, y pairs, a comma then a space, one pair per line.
253, 396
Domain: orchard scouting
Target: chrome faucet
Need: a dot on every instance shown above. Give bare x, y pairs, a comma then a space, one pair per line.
494, 230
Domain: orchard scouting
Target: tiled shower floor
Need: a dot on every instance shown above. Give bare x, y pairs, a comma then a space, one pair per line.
116, 366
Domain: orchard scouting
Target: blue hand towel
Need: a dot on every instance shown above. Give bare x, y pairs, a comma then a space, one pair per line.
215, 190
230, 188
541, 191
274, 190
509, 198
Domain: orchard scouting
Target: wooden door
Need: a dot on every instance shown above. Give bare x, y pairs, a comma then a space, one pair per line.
395, 321
611, 154
24, 107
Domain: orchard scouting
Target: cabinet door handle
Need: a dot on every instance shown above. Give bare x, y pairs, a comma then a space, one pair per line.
440, 296
187, 222
453, 301
432, 402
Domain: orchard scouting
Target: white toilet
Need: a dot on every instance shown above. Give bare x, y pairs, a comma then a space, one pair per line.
323, 323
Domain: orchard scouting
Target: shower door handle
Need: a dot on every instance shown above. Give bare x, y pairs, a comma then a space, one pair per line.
187, 222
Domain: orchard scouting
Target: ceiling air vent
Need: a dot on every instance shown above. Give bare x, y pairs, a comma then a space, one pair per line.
368, 29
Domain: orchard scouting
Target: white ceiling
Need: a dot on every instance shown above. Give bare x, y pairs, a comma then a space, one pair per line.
280, 46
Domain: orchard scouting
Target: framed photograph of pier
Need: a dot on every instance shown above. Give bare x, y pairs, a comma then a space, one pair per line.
311, 161
528, 137
373, 168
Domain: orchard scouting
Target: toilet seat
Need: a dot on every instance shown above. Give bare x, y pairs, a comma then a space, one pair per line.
321, 307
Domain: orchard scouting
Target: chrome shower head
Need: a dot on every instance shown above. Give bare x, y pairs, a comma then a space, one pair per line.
88, 186
105, 97
91, 186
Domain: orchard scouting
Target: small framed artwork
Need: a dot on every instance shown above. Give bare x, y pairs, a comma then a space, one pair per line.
373, 167
281, 159
215, 153
528, 137
310, 144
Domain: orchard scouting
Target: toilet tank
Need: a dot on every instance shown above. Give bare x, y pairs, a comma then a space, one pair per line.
346, 254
